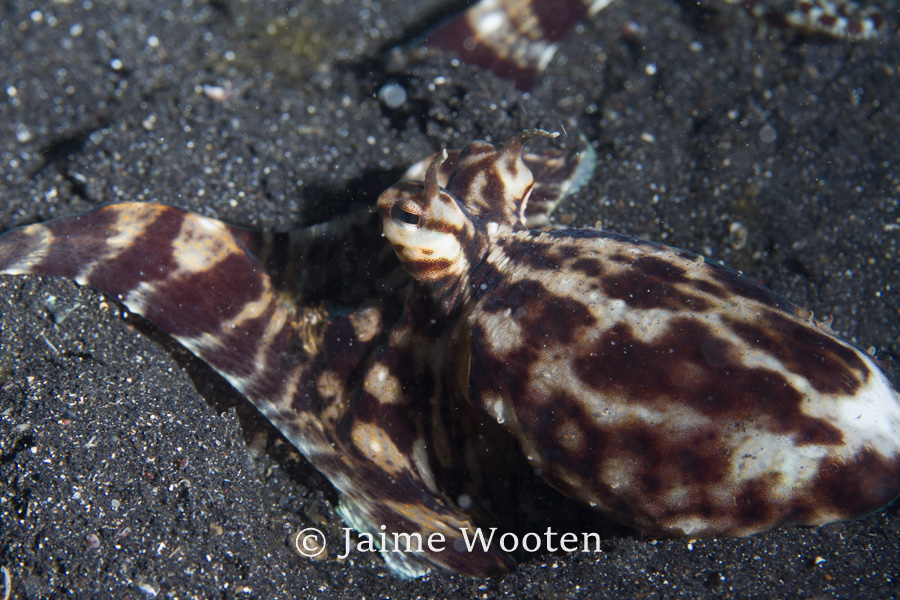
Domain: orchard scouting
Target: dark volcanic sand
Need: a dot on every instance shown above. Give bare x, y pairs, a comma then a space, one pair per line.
130, 470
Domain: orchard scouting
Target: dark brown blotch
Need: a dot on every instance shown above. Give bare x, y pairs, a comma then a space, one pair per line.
199, 303
623, 258
689, 365
830, 366
743, 287
429, 268
660, 460
665, 458
77, 243
284, 353
754, 508
342, 351
538, 255
543, 316
650, 282
857, 486
477, 184
556, 19
493, 373
708, 287
590, 267
148, 258
484, 54
548, 424
237, 348
397, 419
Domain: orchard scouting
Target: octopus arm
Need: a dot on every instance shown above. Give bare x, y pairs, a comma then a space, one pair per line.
300, 364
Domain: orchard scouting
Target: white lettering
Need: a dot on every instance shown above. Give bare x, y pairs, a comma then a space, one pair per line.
596, 538
550, 533
477, 537
410, 537
568, 538
503, 544
366, 543
537, 542
346, 553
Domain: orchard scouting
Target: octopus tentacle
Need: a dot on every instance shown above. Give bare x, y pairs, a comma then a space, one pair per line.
558, 174
667, 392
517, 39
313, 372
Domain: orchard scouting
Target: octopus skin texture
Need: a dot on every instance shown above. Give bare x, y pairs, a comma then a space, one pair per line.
665, 392
670, 393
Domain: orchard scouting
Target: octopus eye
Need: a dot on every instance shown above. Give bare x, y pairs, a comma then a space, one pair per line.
402, 216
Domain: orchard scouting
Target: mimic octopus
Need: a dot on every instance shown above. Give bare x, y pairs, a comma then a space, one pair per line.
663, 391
668, 393
516, 39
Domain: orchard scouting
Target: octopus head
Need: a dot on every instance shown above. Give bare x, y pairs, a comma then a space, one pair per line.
433, 235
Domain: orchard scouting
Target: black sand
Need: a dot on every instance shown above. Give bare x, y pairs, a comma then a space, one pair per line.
130, 470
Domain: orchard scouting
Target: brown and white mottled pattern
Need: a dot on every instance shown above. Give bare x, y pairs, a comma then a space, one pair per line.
516, 39
669, 393
355, 381
302, 366
557, 174
835, 18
